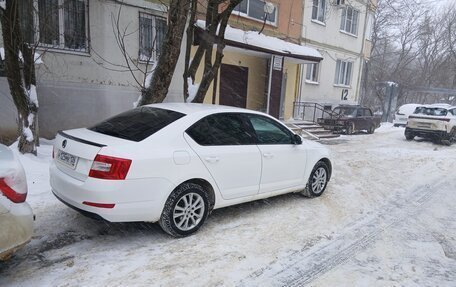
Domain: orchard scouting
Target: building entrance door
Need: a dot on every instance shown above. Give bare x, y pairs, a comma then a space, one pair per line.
233, 85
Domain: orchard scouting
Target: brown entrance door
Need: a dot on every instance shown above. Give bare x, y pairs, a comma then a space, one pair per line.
233, 85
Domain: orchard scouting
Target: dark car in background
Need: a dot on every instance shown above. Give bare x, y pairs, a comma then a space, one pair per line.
350, 119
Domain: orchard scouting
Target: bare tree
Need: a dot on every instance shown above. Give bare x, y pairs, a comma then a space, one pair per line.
217, 15
20, 71
157, 90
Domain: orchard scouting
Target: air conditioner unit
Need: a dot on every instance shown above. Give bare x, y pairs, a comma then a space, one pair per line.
339, 2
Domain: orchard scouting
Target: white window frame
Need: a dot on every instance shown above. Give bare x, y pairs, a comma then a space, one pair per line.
350, 25
321, 11
61, 44
312, 75
154, 56
246, 15
344, 72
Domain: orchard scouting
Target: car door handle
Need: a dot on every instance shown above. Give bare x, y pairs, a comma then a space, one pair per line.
212, 159
268, 155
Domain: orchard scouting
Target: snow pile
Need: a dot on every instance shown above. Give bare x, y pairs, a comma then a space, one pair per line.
37, 57
147, 81
33, 96
192, 90
266, 42
3, 4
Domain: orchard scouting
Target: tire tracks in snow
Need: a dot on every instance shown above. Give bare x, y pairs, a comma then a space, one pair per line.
306, 265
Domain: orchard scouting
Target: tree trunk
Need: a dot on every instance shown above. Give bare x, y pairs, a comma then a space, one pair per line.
213, 20
169, 54
22, 85
190, 32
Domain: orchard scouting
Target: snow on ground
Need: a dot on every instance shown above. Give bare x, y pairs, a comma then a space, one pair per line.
386, 219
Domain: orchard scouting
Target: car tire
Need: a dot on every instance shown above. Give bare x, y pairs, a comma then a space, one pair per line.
185, 210
371, 130
451, 138
318, 180
409, 136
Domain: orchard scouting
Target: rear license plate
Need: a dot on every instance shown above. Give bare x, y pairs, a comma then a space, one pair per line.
67, 159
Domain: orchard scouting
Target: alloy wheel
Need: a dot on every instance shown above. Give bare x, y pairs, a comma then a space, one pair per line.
189, 211
319, 180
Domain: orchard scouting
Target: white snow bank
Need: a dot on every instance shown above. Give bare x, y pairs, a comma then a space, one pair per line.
28, 134
36, 56
33, 95
266, 42
192, 90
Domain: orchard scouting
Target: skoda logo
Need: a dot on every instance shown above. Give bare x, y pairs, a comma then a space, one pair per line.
64, 143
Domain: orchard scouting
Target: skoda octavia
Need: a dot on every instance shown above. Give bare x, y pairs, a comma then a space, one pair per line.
175, 163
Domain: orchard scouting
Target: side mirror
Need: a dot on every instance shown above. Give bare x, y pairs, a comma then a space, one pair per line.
297, 139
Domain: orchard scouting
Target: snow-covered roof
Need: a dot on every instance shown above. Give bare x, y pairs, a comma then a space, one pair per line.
260, 42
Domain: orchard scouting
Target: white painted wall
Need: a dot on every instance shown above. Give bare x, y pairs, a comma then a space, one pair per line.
333, 44
80, 89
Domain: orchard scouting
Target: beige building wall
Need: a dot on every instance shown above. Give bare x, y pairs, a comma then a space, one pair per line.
257, 74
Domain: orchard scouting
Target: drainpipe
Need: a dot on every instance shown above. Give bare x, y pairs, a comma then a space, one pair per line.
269, 83
361, 58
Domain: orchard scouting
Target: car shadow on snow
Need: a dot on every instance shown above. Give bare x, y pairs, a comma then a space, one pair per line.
80, 228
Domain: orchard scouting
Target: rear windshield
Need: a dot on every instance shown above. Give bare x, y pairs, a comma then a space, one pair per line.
431, 111
137, 124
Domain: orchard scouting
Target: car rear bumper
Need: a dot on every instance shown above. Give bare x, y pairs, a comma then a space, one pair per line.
16, 229
426, 133
134, 200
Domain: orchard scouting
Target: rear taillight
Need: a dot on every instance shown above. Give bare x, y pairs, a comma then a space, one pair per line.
10, 193
108, 167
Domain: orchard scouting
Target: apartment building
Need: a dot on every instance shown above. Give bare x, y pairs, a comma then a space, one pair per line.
341, 31
84, 77
262, 57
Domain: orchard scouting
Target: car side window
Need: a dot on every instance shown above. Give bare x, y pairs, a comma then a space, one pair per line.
367, 113
359, 113
221, 129
268, 131
453, 111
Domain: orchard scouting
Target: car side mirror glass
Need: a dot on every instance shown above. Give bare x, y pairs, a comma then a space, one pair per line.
297, 139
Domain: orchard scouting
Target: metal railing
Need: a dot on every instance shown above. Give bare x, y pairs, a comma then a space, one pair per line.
308, 111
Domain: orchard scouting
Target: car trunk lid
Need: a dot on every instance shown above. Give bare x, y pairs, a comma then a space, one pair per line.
75, 150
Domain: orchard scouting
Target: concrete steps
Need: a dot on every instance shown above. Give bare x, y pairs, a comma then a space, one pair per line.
311, 130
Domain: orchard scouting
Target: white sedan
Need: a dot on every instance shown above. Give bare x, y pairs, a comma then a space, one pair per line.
174, 163
402, 114
16, 216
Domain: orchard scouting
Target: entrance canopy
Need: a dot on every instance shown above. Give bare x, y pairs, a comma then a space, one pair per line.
251, 40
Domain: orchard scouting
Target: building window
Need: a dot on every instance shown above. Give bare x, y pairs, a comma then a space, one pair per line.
343, 73
255, 9
62, 24
349, 21
319, 10
152, 31
312, 73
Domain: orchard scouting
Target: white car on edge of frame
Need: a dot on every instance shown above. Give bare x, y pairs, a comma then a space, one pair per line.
16, 216
175, 163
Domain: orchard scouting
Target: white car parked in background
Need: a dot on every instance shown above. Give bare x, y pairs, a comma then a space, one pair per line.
16, 216
175, 163
434, 122
402, 114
